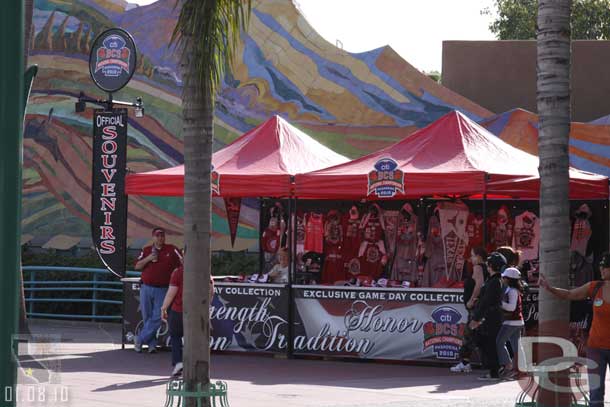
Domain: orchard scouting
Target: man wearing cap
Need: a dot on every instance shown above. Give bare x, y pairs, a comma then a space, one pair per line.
488, 314
157, 262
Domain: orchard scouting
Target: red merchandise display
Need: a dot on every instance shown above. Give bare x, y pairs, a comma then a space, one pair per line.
371, 257
526, 236
372, 224
411, 214
314, 232
500, 228
581, 230
405, 267
334, 269
435, 270
474, 229
351, 235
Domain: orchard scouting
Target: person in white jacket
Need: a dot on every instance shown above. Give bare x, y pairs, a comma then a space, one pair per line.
512, 305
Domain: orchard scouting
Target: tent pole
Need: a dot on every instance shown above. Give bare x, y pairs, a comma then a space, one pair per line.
485, 211
293, 258
261, 229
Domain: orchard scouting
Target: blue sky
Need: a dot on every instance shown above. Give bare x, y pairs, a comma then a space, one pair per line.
414, 28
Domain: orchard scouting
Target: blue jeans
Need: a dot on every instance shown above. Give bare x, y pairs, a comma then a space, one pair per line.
151, 300
602, 358
512, 334
176, 332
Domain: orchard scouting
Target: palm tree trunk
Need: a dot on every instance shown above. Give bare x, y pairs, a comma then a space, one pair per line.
553, 97
198, 115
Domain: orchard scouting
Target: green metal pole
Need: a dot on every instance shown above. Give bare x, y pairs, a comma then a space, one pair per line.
11, 122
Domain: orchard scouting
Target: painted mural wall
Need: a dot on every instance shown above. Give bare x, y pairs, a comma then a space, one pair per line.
589, 142
352, 103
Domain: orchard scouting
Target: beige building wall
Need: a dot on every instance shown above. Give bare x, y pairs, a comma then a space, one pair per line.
501, 75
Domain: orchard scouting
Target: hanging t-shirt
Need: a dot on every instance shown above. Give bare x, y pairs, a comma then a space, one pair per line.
334, 269
500, 229
270, 241
474, 230
312, 262
372, 228
581, 269
581, 233
371, 255
526, 237
300, 234
351, 236
314, 232
333, 233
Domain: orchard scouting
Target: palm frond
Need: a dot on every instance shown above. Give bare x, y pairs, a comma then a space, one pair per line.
214, 27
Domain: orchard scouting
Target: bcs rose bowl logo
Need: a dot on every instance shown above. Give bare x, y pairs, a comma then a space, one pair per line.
215, 178
113, 57
386, 180
445, 334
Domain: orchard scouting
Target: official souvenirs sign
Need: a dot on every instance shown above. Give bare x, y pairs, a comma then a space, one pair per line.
112, 60
386, 180
108, 199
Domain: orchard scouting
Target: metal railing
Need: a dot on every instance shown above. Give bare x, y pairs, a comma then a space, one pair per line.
36, 281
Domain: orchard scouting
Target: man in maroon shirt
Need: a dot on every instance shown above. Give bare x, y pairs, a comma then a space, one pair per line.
173, 303
157, 263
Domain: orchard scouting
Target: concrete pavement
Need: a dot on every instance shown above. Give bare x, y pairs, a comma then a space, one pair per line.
94, 372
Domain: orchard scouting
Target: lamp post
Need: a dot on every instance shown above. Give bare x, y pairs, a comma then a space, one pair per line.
11, 125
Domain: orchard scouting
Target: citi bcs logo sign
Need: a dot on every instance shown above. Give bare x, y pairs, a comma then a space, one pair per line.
445, 334
386, 180
113, 59
113, 56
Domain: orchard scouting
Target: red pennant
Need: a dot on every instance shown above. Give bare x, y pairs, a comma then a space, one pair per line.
233, 207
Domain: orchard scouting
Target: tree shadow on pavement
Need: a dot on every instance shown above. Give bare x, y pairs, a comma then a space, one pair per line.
261, 370
133, 385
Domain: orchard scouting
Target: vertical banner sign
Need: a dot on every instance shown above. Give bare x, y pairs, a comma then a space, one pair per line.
233, 207
108, 200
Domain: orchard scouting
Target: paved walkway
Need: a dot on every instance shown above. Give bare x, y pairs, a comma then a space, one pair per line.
95, 372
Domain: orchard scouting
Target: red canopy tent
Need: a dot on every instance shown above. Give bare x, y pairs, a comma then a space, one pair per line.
453, 156
259, 163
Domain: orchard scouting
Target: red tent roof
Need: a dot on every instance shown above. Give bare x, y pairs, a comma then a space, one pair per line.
259, 163
453, 156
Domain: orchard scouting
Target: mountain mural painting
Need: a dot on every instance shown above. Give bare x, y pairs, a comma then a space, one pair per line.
352, 103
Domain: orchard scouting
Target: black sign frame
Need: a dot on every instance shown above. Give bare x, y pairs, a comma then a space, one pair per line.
100, 81
108, 198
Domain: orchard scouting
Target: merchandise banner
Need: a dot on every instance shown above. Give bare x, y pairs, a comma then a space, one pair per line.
245, 317
108, 199
379, 323
233, 207
250, 317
